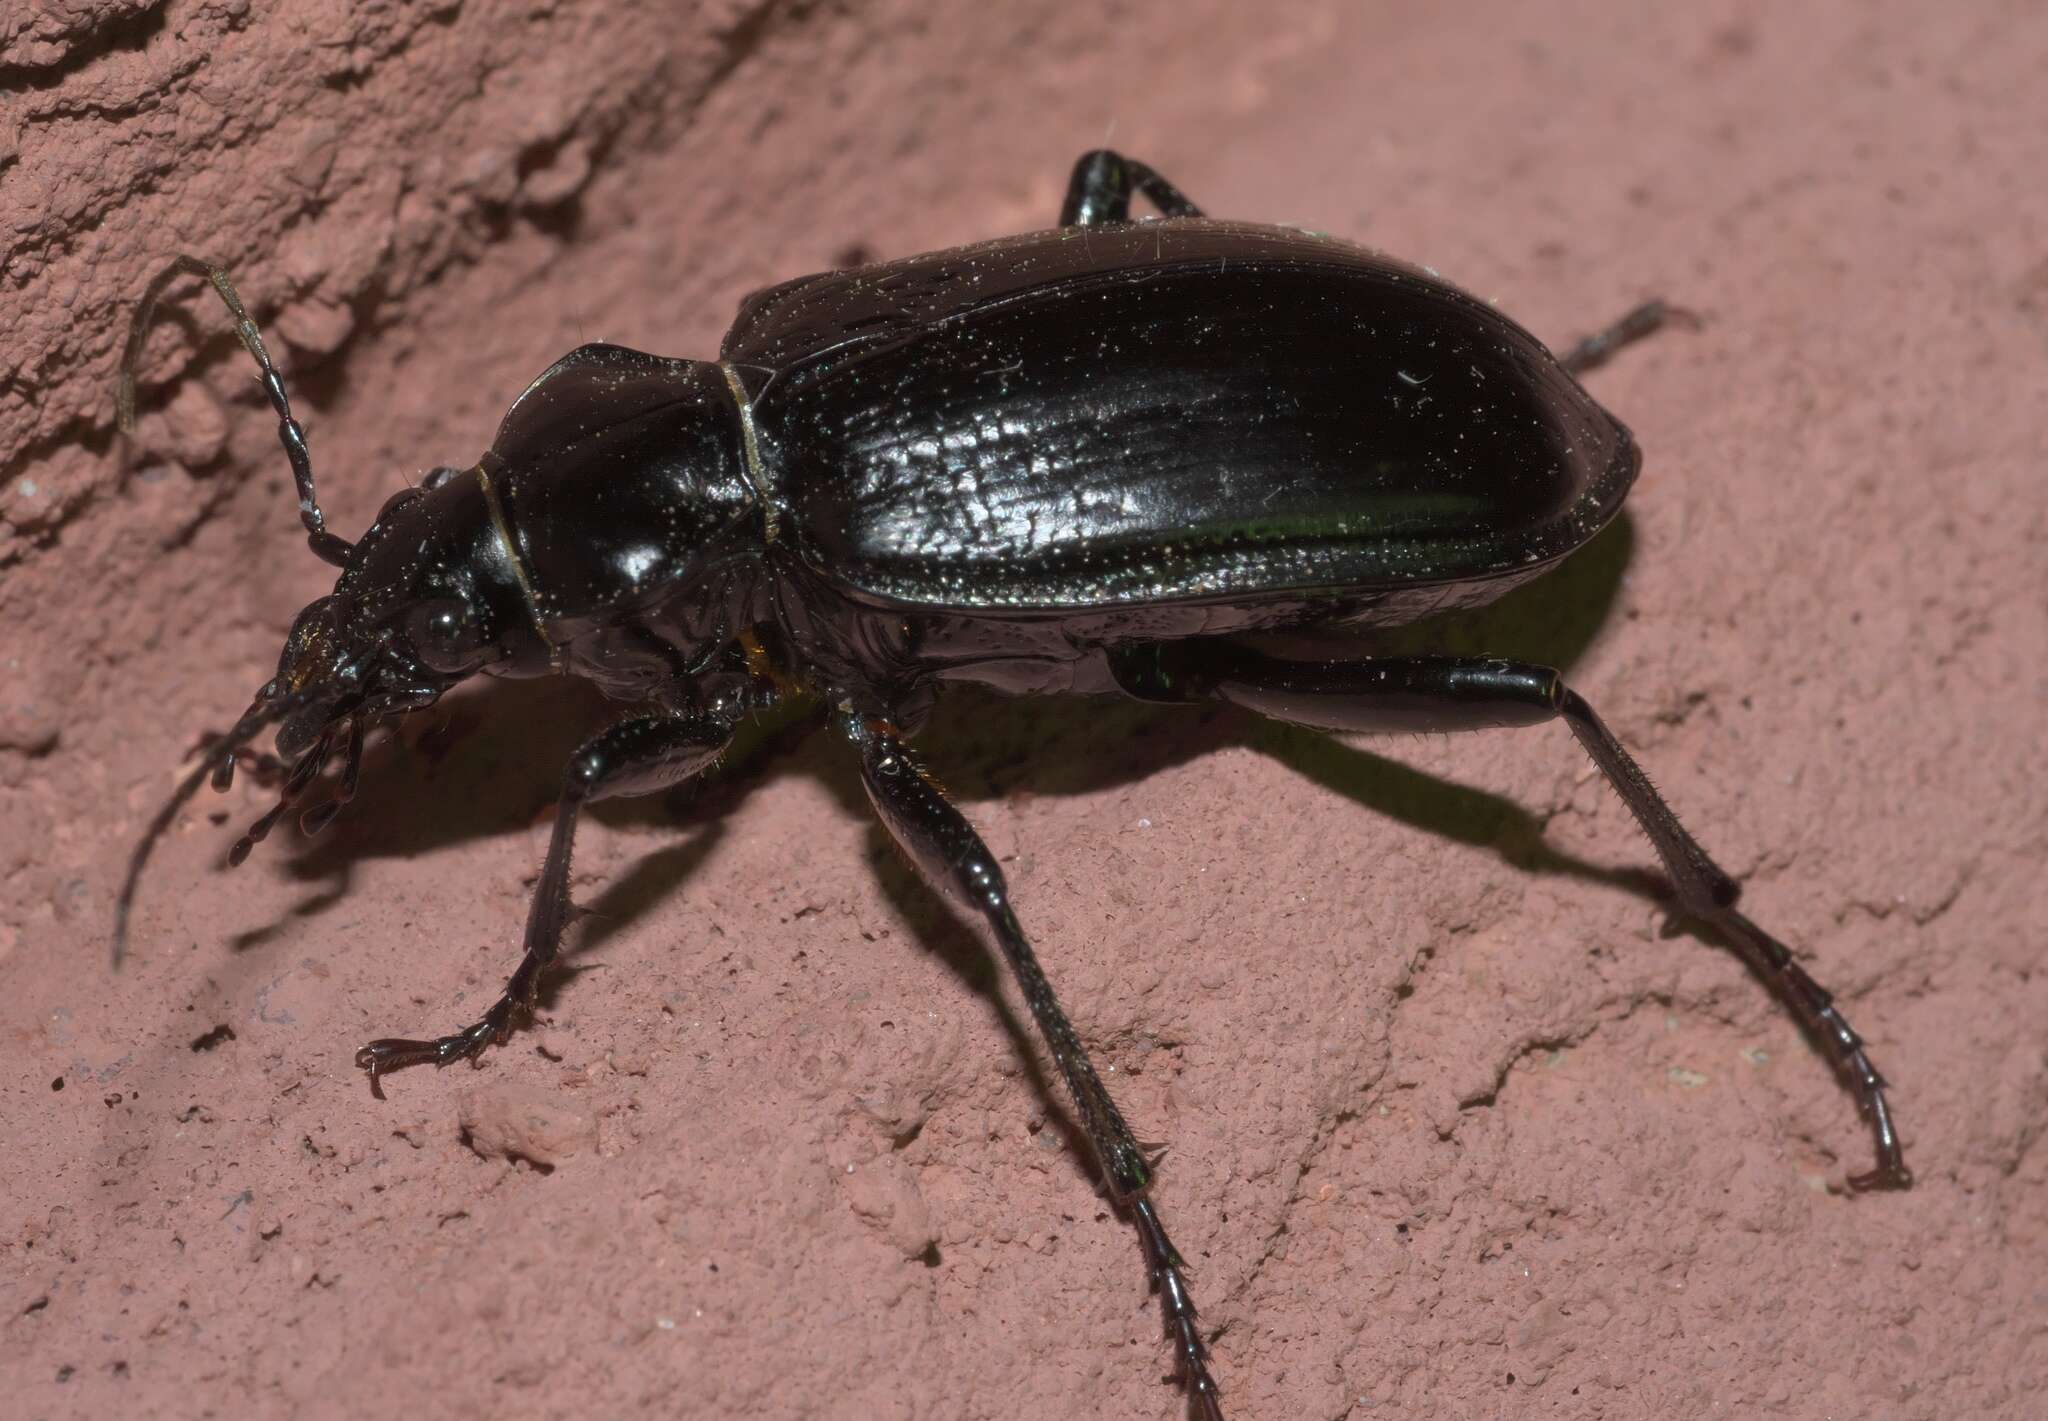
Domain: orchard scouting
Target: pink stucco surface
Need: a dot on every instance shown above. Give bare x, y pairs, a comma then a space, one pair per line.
1456, 1127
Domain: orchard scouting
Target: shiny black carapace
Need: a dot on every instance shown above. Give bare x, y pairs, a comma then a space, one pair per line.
1090, 460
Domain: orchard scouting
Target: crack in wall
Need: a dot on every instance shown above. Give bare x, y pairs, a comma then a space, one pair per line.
46, 51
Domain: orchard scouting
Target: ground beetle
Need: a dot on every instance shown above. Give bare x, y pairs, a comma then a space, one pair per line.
1094, 459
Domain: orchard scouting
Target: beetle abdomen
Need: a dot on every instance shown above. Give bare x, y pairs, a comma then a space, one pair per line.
1176, 410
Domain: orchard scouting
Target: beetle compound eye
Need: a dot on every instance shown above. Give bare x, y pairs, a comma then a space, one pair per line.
444, 634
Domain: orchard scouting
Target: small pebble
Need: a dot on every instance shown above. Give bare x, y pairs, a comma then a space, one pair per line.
516, 1122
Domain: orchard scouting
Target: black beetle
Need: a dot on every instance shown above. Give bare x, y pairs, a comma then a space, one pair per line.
1094, 459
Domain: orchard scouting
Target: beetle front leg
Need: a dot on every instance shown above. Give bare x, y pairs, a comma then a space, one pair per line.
1102, 185
634, 757
945, 849
1431, 693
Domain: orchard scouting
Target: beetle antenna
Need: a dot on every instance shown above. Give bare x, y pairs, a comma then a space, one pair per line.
326, 546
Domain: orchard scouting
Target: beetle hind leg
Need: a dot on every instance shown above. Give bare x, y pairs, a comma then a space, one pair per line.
639, 756
1104, 183
1431, 693
951, 857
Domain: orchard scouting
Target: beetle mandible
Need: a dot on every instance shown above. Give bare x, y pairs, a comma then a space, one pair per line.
1095, 459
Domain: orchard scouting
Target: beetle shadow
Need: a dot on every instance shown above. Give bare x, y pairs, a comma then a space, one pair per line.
458, 772
986, 746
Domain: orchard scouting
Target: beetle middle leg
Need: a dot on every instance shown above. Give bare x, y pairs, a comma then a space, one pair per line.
951, 856
1440, 693
639, 756
1102, 187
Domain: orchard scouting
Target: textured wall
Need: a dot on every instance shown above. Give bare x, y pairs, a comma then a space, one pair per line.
1457, 1129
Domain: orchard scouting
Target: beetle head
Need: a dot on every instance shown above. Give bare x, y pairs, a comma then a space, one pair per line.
427, 597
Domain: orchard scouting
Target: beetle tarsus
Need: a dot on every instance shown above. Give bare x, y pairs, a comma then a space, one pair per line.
394, 1053
1166, 1268
1815, 1008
